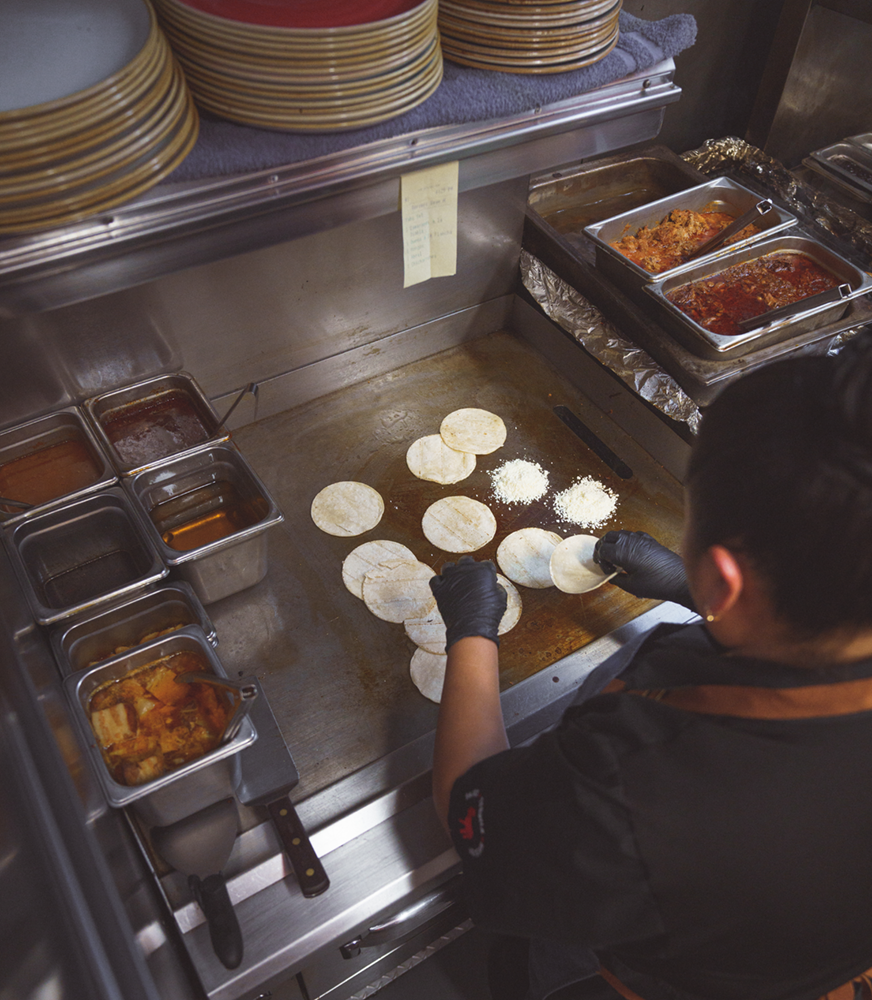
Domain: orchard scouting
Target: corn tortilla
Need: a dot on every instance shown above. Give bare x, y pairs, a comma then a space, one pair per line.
525, 557
347, 508
458, 524
470, 429
431, 458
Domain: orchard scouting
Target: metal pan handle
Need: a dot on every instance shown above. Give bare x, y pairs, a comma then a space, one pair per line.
840, 293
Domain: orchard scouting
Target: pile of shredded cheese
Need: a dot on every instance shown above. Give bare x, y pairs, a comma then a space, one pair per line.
519, 481
587, 502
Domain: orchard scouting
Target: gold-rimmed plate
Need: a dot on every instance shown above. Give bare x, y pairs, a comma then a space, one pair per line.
305, 14
277, 40
106, 158
323, 109
460, 12
124, 126
564, 13
39, 67
92, 122
533, 40
368, 62
296, 88
69, 206
288, 120
519, 65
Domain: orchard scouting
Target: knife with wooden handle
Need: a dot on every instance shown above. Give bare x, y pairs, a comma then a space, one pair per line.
265, 774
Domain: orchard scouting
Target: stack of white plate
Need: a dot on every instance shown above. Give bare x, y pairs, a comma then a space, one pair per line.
528, 36
309, 65
93, 109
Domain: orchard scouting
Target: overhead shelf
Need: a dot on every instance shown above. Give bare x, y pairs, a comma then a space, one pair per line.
179, 225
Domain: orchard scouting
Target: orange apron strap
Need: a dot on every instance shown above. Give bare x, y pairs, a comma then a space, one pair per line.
614, 686
844, 992
813, 701
847, 990
624, 990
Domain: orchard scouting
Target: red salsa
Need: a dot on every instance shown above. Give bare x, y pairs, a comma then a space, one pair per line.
745, 290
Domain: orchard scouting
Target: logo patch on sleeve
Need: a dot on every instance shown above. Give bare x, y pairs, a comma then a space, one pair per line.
471, 824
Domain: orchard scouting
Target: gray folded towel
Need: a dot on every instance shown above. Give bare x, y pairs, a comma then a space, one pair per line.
465, 95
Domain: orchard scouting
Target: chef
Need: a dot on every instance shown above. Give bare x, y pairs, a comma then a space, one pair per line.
699, 824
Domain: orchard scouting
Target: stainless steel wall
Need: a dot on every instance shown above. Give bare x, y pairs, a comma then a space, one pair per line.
259, 314
720, 74
817, 89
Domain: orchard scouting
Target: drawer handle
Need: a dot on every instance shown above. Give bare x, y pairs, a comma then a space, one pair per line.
405, 922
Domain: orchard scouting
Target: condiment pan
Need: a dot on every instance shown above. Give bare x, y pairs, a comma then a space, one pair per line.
100, 636
590, 192
864, 141
165, 416
720, 346
847, 164
75, 464
189, 788
722, 195
198, 491
74, 558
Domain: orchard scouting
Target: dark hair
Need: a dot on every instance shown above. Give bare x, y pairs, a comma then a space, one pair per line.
782, 469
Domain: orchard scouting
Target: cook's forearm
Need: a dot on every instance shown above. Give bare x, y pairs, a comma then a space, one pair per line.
470, 725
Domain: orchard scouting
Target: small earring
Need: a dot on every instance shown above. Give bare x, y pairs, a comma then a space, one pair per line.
712, 618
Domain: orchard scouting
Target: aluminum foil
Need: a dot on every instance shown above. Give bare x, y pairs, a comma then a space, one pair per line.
740, 158
580, 318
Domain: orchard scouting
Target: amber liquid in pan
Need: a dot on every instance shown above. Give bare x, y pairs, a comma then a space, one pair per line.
48, 472
145, 431
205, 515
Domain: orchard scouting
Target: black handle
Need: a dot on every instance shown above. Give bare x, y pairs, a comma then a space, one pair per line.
211, 895
305, 862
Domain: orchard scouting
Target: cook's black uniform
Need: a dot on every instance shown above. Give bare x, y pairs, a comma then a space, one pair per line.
698, 856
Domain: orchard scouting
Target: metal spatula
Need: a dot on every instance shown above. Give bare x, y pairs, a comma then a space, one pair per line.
198, 846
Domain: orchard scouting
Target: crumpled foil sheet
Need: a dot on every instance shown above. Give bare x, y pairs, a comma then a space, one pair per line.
739, 157
580, 318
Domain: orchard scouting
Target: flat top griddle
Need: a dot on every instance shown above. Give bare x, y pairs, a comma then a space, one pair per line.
336, 676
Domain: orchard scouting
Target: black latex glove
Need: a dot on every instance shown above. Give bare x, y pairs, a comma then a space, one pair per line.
645, 567
470, 600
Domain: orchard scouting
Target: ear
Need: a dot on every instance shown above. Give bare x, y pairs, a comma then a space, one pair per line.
721, 581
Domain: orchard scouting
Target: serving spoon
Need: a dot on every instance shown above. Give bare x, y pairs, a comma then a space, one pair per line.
246, 692
6, 501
